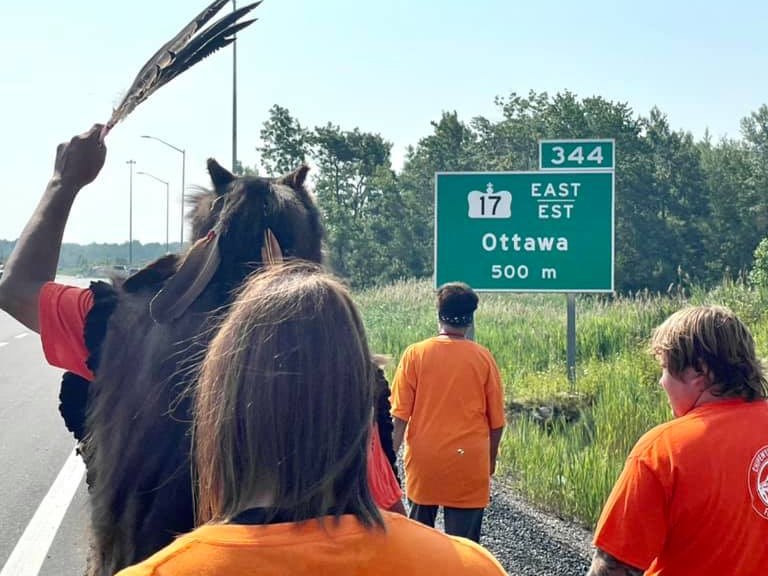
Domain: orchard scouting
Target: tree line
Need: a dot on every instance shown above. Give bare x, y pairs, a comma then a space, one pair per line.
83, 259
687, 211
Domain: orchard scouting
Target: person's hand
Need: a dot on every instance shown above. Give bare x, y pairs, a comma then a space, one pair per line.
80, 160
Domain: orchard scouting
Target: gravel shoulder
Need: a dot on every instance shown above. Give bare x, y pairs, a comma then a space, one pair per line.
527, 541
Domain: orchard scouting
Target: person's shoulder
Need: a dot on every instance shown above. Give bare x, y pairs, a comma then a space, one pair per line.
420, 346
53, 289
480, 348
671, 433
691, 427
449, 552
164, 557
474, 558
756, 409
53, 295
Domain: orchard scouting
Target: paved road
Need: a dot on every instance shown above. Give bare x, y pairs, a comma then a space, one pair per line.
34, 447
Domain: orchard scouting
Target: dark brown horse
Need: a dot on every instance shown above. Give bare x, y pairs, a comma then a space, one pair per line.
146, 337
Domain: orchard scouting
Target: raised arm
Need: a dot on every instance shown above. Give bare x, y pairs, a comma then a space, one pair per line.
35, 258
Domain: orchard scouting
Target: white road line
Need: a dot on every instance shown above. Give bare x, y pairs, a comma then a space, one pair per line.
29, 554
22, 335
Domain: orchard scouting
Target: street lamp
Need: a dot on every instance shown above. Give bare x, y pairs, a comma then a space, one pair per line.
167, 206
183, 172
234, 98
131, 163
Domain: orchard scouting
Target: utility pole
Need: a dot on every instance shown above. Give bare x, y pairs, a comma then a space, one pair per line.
234, 98
183, 153
167, 206
131, 163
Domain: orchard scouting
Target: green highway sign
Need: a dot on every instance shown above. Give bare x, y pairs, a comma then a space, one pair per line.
525, 231
577, 155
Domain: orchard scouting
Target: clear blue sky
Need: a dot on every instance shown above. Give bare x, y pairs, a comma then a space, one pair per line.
388, 66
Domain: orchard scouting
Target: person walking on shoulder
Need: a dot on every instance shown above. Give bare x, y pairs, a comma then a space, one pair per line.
448, 407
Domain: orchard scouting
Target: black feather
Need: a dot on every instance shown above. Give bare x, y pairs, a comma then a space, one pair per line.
180, 53
219, 29
210, 47
207, 42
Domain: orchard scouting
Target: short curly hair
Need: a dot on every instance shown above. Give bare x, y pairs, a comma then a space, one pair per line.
456, 304
712, 339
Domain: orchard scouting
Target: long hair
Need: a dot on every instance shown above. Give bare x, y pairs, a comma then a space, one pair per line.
713, 340
284, 402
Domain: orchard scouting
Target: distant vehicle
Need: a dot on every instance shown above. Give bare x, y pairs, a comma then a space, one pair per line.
120, 271
132, 271
1, 270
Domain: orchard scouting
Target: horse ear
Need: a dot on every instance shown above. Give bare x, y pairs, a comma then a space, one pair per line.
271, 253
220, 176
296, 178
154, 273
192, 277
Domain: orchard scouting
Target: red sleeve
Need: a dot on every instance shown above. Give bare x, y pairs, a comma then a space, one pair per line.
62, 312
381, 478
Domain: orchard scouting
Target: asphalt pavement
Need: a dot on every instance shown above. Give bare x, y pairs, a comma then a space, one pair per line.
34, 448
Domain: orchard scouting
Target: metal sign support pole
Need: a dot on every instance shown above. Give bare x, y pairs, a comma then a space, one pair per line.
571, 337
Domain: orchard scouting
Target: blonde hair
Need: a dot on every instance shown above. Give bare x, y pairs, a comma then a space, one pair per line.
711, 340
284, 402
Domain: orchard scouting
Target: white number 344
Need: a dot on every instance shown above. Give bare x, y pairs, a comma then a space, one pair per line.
577, 155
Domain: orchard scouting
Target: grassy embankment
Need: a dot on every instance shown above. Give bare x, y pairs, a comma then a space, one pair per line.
565, 444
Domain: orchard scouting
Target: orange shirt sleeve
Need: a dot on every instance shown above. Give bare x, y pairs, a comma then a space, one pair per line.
404, 387
494, 393
633, 525
62, 311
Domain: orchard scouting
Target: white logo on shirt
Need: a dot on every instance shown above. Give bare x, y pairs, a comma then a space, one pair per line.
758, 482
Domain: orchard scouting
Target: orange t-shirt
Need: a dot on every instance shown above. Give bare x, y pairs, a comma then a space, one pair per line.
449, 391
405, 548
693, 495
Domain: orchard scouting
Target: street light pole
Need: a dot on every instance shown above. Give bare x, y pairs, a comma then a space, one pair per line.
183, 183
234, 98
167, 206
131, 163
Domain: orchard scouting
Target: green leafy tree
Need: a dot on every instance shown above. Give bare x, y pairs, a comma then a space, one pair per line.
755, 131
452, 146
736, 223
285, 143
348, 162
758, 276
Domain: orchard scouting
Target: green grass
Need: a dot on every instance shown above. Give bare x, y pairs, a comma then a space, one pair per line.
565, 443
